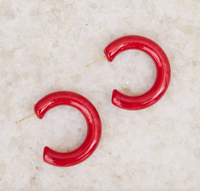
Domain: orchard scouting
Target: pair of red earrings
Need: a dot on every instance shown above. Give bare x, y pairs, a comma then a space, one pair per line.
118, 99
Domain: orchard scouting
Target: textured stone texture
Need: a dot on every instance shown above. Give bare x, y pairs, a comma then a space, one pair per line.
44, 47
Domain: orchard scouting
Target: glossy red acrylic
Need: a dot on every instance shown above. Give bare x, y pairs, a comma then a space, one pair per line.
93, 122
162, 65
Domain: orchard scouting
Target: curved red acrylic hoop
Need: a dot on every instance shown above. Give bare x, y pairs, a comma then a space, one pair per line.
162, 65
93, 122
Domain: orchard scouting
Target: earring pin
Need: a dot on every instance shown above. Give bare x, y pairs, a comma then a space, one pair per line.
96, 61
26, 118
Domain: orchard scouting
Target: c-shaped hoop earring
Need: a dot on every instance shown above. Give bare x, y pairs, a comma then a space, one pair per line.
93, 122
162, 65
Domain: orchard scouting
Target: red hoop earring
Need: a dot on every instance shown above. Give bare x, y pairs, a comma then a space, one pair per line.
93, 122
162, 65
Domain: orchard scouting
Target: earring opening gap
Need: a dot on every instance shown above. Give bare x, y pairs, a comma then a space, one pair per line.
96, 61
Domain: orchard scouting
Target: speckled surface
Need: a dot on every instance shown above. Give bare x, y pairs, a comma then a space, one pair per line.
44, 47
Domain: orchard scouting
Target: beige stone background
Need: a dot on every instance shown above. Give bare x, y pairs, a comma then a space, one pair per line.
44, 47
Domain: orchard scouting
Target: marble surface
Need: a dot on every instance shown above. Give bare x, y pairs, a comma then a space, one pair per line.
45, 46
